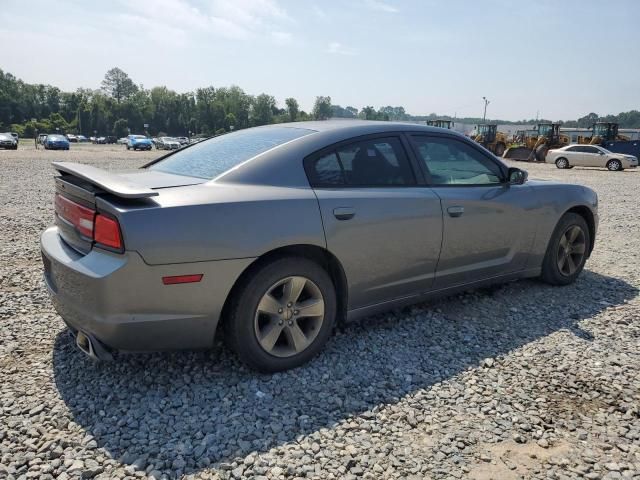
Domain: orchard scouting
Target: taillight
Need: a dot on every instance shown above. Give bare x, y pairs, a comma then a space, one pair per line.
107, 232
103, 230
79, 216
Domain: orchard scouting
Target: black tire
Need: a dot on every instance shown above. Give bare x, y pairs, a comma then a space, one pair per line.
550, 271
541, 153
562, 163
500, 148
614, 165
128, 147
240, 333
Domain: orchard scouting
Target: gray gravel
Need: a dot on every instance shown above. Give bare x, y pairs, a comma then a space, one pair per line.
518, 381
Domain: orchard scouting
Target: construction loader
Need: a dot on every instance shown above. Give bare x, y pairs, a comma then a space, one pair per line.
490, 138
534, 148
606, 135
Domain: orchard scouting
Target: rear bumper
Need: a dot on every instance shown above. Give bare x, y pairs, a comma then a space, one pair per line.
121, 301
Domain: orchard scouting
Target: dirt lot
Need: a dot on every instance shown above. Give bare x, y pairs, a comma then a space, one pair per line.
518, 381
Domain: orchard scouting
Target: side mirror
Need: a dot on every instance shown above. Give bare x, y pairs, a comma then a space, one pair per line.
517, 176
601, 153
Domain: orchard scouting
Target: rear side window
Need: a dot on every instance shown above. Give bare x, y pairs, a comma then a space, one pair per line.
375, 162
215, 156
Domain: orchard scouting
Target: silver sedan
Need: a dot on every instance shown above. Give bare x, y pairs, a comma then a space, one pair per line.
273, 235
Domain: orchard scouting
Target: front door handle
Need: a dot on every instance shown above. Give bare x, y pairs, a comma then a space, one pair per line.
344, 213
455, 211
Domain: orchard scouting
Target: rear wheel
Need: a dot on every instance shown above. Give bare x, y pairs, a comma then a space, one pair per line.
567, 250
283, 315
614, 165
562, 163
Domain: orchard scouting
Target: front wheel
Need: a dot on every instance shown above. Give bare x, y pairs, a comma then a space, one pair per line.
283, 315
567, 250
614, 165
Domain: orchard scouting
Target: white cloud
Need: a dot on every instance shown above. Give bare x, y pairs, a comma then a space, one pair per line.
318, 12
281, 38
380, 6
339, 49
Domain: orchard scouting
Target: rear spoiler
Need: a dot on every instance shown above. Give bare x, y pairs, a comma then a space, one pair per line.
109, 182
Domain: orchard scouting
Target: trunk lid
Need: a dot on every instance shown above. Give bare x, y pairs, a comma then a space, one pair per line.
81, 189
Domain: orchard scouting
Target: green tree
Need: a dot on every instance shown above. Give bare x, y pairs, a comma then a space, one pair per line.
120, 128
262, 109
118, 85
322, 108
292, 108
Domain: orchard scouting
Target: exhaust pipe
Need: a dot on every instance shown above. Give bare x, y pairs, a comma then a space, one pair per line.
91, 347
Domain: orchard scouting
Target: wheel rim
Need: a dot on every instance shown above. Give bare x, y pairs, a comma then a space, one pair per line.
289, 316
571, 250
614, 165
562, 163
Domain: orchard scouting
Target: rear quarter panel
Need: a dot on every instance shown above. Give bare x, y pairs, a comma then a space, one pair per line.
215, 221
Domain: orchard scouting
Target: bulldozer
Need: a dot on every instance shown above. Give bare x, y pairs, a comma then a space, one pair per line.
490, 138
440, 123
606, 135
534, 148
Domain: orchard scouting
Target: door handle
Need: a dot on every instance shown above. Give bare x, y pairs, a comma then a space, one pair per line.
455, 211
344, 213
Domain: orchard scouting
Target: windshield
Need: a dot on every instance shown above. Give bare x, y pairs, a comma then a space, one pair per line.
482, 129
601, 130
215, 156
56, 137
6, 136
544, 130
138, 137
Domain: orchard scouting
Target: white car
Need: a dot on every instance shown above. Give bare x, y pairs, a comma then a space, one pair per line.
590, 156
167, 143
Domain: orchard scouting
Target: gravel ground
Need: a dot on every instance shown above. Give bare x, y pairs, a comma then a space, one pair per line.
518, 381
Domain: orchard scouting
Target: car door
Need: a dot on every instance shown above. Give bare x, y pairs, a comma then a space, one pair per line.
487, 228
385, 228
574, 155
592, 157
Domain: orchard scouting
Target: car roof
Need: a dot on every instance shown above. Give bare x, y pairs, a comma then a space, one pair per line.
365, 126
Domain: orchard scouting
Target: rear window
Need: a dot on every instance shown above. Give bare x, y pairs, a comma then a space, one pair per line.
215, 156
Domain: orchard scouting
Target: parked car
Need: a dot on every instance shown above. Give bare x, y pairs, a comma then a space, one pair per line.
183, 140
281, 231
72, 138
590, 156
55, 141
8, 142
167, 143
122, 141
82, 138
101, 140
138, 142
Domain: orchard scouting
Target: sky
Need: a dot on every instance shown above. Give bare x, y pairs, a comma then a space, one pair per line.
556, 59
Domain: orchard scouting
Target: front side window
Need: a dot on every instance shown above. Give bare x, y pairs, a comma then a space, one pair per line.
215, 156
590, 150
375, 162
452, 162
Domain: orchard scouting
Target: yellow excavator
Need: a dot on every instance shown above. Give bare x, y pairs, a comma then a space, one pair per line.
490, 138
441, 123
534, 148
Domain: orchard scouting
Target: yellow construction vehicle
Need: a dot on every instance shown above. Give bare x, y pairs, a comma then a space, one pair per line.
490, 138
534, 148
603, 132
606, 135
441, 123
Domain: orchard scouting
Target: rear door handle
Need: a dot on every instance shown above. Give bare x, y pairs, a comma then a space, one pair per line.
344, 213
455, 211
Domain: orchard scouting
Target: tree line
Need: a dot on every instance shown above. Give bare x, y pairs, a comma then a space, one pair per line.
121, 106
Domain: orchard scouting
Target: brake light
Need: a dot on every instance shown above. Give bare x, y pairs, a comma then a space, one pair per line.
107, 232
79, 216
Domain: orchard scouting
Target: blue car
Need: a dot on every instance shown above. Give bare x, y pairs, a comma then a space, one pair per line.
56, 142
138, 142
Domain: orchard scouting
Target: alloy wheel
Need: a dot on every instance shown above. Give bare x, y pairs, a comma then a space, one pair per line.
289, 316
562, 163
614, 165
571, 250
